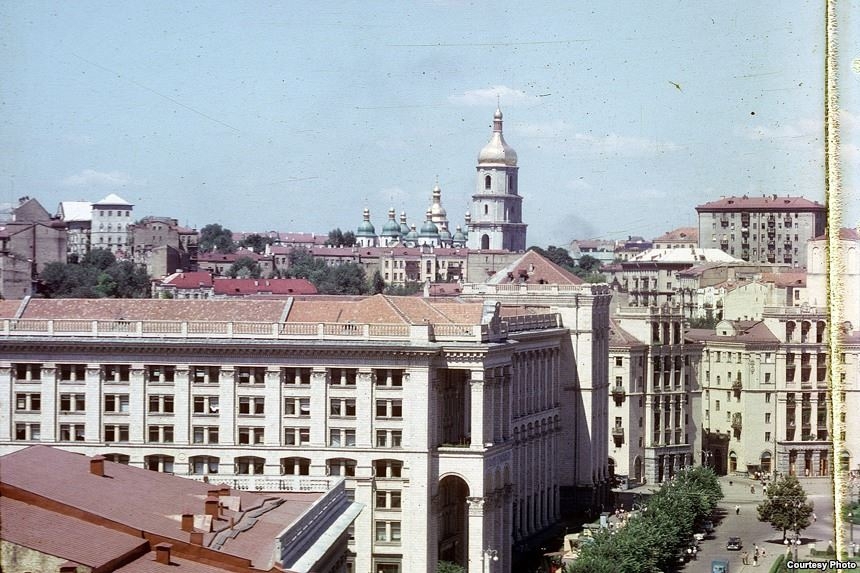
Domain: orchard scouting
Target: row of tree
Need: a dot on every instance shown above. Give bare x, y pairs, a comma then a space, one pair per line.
98, 274
215, 238
653, 539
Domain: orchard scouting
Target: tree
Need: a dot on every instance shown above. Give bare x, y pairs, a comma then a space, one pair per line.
337, 238
589, 264
100, 259
214, 237
377, 285
245, 267
98, 275
557, 255
448, 567
348, 278
256, 243
786, 507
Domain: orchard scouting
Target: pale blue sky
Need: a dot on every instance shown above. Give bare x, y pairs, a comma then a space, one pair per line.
295, 116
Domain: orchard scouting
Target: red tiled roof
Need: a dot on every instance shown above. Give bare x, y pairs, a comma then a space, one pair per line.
228, 257
156, 309
620, 337
257, 286
141, 499
384, 309
685, 234
9, 308
769, 202
794, 278
148, 564
748, 331
63, 536
532, 268
195, 279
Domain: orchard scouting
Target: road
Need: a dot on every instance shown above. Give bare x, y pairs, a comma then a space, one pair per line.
751, 531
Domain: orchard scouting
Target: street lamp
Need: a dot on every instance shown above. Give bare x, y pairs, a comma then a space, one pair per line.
793, 545
851, 525
488, 557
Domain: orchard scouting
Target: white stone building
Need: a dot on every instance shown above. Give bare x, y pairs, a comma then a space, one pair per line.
449, 419
111, 219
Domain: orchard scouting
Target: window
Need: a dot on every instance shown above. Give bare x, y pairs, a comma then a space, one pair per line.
767, 377
249, 435
28, 372
388, 531
116, 403
341, 438
767, 397
296, 376
163, 374
295, 466
389, 378
767, 418
72, 433
251, 375
767, 436
203, 465
205, 374
28, 431
717, 406
116, 372
252, 405
160, 404
250, 465
72, 372
157, 463
388, 500
389, 408
28, 402
205, 404
297, 407
70, 403
341, 467
343, 407
389, 438
488, 182
160, 434
116, 433
619, 361
205, 434
388, 468
297, 436
343, 376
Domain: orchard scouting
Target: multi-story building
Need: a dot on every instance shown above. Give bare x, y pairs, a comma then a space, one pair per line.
163, 246
767, 229
655, 397
78, 217
680, 238
111, 225
450, 420
28, 242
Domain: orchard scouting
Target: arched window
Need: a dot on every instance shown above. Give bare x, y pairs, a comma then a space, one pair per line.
203, 465
117, 458
485, 242
159, 463
486, 209
295, 466
341, 467
488, 182
388, 468
250, 465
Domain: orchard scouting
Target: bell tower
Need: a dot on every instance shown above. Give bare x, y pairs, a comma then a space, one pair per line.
496, 217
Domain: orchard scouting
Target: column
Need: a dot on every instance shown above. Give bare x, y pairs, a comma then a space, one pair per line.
6, 378
319, 408
137, 406
476, 389
93, 396
364, 403
274, 408
181, 406
228, 433
476, 534
50, 404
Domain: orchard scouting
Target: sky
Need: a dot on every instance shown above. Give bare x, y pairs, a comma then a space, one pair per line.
295, 116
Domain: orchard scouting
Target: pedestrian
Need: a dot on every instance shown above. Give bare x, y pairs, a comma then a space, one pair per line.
745, 558
752, 489
814, 518
755, 560
762, 553
737, 510
731, 483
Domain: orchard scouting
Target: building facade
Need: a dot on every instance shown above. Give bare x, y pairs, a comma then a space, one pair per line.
446, 418
767, 229
111, 225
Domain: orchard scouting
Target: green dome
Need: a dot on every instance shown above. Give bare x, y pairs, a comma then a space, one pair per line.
366, 229
459, 237
391, 228
429, 228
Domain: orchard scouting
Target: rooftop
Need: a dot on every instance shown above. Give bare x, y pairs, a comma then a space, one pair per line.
532, 268
682, 256
765, 202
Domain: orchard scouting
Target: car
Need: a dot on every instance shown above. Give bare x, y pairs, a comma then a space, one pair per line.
734, 544
699, 537
708, 526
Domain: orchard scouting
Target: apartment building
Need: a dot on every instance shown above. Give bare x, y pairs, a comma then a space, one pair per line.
655, 395
446, 418
767, 229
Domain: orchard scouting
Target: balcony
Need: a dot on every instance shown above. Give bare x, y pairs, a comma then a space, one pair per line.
618, 435
618, 393
737, 386
737, 422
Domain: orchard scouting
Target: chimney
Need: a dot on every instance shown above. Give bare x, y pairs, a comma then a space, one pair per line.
211, 505
162, 553
223, 491
213, 492
97, 466
68, 567
187, 522
196, 538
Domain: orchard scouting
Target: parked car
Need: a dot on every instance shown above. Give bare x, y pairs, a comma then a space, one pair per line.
734, 544
708, 526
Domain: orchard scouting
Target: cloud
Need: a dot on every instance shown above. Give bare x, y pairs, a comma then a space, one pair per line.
801, 129
93, 178
487, 96
567, 140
